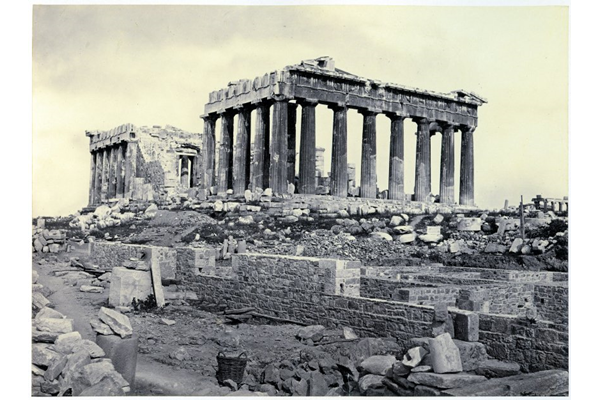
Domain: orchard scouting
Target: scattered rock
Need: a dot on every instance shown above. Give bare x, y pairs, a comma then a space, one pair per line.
118, 322
370, 382
445, 381
378, 365
445, 356
64, 343
493, 368
169, 322
413, 357
312, 332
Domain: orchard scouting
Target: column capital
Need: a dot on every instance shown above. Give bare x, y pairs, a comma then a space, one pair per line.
448, 125
242, 107
226, 112
421, 120
369, 111
279, 97
337, 106
209, 117
467, 128
308, 102
395, 115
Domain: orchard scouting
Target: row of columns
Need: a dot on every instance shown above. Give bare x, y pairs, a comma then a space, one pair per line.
274, 166
112, 172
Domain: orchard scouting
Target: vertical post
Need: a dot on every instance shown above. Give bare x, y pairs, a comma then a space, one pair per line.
339, 154
396, 167
184, 173
467, 183
423, 161
208, 152
291, 143
120, 171
278, 168
260, 161
98, 177
447, 165
308, 148
240, 158
92, 178
225, 181
105, 165
112, 177
368, 165
130, 168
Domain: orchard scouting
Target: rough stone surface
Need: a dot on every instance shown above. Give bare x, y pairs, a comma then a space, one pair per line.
413, 356
445, 381
48, 312
370, 382
378, 365
313, 332
466, 326
118, 322
54, 325
64, 343
469, 224
542, 383
43, 356
126, 284
445, 356
100, 327
493, 368
472, 354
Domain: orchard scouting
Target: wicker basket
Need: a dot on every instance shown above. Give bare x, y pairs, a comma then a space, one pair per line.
231, 368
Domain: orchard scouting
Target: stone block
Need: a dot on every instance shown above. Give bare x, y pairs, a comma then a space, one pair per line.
127, 284
469, 224
92, 348
313, 332
516, 246
370, 382
445, 356
466, 326
378, 365
426, 391
445, 381
39, 301
65, 342
56, 368
472, 354
48, 312
407, 238
54, 325
100, 327
43, 355
413, 356
122, 352
118, 322
493, 368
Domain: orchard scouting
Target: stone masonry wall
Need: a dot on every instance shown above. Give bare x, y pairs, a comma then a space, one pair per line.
552, 303
387, 289
535, 345
510, 299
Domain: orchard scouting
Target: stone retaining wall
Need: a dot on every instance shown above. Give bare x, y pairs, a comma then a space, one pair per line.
510, 299
399, 290
552, 302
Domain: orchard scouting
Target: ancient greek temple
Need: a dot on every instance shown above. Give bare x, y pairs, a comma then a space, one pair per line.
315, 83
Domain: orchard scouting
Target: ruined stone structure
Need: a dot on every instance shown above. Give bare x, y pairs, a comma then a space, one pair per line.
140, 163
318, 82
546, 204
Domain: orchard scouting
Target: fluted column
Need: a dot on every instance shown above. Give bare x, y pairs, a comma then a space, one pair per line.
208, 152
225, 172
261, 159
396, 167
105, 168
308, 148
447, 165
98, 177
240, 158
291, 142
467, 181
423, 160
368, 165
92, 178
120, 171
130, 168
112, 177
339, 154
278, 168
184, 173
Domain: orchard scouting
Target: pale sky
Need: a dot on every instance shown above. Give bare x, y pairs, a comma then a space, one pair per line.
96, 67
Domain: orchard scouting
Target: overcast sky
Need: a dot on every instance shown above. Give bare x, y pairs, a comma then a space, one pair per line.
96, 67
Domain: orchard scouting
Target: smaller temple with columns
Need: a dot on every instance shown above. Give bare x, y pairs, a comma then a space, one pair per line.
142, 163
271, 162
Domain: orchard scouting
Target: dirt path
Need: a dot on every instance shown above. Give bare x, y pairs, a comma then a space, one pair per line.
152, 377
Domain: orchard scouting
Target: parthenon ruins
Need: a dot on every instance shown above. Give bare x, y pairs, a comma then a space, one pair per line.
315, 82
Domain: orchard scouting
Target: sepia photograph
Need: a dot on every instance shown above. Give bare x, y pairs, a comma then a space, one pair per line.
288, 199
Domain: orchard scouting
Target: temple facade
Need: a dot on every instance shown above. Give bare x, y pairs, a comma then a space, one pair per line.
275, 98
142, 163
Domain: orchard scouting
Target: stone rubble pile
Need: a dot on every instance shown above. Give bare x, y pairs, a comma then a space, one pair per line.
48, 241
104, 216
63, 363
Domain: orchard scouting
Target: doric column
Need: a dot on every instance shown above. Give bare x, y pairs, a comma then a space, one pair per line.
98, 177
368, 165
308, 148
240, 157
112, 177
120, 171
467, 181
105, 168
261, 158
130, 168
225, 172
208, 152
423, 160
92, 178
447, 164
291, 142
184, 175
278, 168
396, 171
339, 154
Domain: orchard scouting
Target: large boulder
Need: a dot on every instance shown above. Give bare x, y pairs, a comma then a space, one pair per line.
445, 356
127, 284
378, 365
118, 322
472, 354
312, 332
370, 382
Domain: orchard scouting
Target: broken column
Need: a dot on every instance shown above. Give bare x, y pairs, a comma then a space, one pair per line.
467, 186
423, 160
339, 154
368, 169
308, 148
278, 168
240, 158
447, 165
396, 167
225, 180
261, 161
